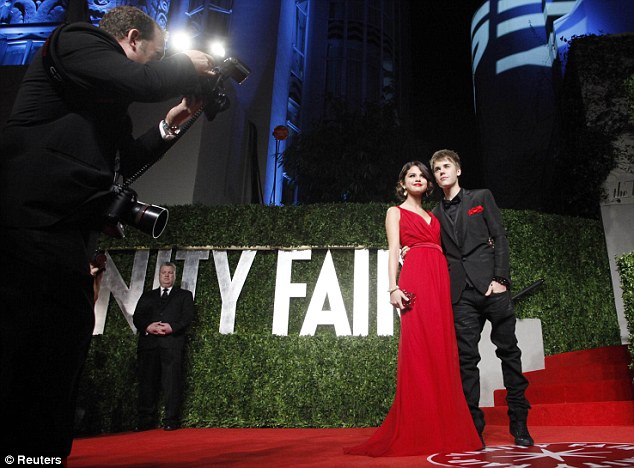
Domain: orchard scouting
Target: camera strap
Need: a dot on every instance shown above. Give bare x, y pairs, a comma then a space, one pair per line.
183, 129
217, 101
52, 67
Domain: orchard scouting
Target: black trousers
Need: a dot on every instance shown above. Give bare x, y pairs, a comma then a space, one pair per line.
46, 321
160, 368
470, 314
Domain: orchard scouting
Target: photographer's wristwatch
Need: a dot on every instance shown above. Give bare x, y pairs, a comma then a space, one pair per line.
168, 132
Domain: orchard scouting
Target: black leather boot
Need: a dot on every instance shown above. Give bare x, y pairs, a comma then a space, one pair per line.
519, 430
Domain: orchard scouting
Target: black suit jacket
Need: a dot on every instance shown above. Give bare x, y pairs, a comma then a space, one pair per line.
177, 310
475, 245
57, 151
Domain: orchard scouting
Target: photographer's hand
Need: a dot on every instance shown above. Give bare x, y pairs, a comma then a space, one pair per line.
97, 266
203, 62
183, 111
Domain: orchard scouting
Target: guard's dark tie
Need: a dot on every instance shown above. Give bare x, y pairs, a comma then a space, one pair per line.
165, 294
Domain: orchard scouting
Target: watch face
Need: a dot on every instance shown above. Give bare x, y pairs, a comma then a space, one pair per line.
555, 455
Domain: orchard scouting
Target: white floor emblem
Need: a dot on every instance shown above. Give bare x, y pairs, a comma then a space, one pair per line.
555, 455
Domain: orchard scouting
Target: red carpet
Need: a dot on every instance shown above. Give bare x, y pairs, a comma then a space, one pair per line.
295, 447
583, 415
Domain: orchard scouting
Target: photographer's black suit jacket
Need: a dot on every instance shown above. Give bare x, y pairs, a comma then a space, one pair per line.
475, 245
177, 310
57, 152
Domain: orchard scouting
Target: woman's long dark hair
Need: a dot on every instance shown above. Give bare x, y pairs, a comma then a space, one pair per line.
401, 179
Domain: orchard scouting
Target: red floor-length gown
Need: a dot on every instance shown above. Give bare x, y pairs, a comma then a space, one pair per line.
429, 413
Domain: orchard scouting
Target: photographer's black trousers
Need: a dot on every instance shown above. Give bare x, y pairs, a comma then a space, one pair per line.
47, 322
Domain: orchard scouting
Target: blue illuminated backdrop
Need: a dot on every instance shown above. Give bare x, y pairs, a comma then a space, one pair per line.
302, 51
299, 51
518, 49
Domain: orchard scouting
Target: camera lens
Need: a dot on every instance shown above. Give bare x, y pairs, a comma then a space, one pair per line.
150, 219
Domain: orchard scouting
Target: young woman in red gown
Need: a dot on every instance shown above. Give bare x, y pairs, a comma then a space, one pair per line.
429, 413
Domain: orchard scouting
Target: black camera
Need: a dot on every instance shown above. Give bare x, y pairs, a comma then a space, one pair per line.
216, 99
126, 208
233, 68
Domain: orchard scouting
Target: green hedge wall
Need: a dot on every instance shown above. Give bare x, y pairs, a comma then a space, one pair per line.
625, 265
255, 379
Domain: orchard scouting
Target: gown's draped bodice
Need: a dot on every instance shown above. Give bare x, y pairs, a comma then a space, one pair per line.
414, 230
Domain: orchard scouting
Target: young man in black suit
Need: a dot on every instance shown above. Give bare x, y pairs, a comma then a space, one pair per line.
477, 250
162, 316
69, 131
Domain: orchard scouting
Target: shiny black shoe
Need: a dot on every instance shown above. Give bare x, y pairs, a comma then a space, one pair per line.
143, 427
519, 430
171, 427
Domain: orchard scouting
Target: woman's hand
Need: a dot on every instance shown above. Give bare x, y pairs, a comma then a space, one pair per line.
398, 299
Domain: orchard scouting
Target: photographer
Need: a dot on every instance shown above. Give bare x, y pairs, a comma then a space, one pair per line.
69, 132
